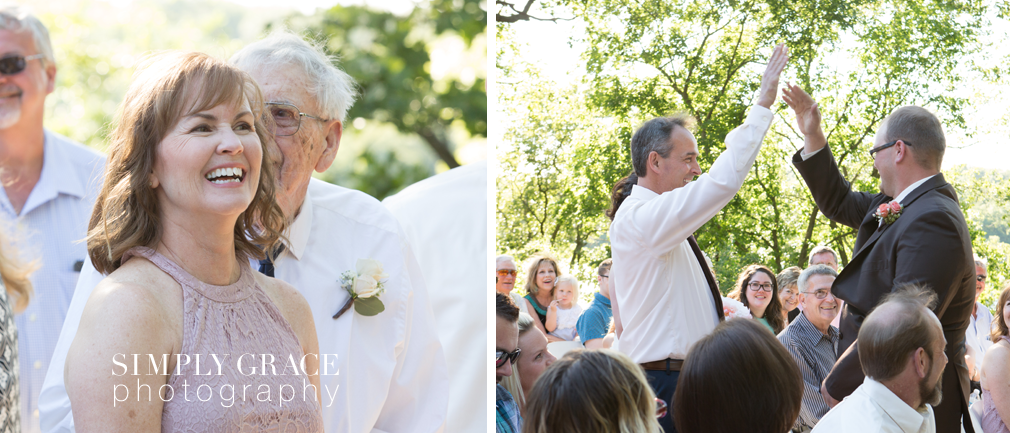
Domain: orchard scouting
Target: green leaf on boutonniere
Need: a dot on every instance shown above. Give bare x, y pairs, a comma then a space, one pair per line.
368, 306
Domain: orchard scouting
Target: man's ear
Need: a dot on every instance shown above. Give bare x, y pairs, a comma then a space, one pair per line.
334, 130
50, 77
652, 163
920, 362
901, 152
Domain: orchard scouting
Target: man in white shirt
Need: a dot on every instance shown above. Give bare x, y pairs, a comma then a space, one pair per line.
48, 186
901, 350
392, 375
667, 298
979, 326
444, 218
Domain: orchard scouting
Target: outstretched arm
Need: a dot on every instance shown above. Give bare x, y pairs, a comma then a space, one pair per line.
808, 117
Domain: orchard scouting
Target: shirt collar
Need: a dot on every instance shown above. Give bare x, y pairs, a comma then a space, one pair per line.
643, 193
58, 175
901, 413
297, 234
602, 299
911, 188
809, 334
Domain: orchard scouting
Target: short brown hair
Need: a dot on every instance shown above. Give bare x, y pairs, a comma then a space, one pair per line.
886, 340
921, 131
788, 277
743, 367
166, 88
599, 391
999, 325
531, 274
604, 267
505, 308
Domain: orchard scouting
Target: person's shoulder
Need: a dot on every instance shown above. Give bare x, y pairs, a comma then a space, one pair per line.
997, 354
288, 300
442, 186
77, 152
350, 205
137, 288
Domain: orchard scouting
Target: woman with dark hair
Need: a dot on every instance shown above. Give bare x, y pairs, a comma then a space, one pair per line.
541, 278
742, 368
756, 288
996, 371
598, 391
621, 191
188, 200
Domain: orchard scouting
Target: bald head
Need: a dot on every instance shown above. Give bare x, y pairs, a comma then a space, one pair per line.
899, 326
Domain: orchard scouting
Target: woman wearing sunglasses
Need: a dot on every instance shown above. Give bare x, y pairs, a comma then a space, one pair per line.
756, 288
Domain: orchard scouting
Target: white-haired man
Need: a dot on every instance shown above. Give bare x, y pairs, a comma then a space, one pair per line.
391, 373
48, 185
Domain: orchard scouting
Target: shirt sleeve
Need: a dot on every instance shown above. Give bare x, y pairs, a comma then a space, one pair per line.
418, 397
54, 404
669, 219
590, 326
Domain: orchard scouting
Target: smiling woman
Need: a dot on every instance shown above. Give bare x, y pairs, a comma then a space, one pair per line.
188, 197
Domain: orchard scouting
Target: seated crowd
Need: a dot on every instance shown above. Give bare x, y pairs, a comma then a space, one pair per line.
774, 384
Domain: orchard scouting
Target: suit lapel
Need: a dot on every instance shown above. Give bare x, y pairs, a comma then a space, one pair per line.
929, 185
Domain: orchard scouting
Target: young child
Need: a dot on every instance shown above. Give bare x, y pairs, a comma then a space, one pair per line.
564, 312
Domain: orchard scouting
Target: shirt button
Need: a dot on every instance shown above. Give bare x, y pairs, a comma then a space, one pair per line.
32, 317
38, 365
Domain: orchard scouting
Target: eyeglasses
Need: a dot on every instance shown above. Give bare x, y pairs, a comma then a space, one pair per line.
288, 118
755, 286
820, 294
980, 278
505, 272
14, 64
502, 356
604, 276
885, 146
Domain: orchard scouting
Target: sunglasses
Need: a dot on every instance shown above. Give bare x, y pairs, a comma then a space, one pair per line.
502, 356
14, 64
505, 272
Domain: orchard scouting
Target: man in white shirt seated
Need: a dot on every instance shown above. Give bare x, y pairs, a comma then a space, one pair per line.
391, 374
901, 351
666, 296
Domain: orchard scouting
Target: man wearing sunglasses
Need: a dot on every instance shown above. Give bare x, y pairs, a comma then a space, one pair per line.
912, 231
48, 186
506, 346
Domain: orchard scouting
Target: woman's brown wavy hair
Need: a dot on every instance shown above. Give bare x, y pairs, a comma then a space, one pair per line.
773, 313
167, 87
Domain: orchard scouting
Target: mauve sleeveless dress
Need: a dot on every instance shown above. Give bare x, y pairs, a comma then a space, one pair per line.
232, 321
991, 421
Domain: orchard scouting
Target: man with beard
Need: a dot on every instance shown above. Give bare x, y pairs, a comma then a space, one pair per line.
901, 350
48, 185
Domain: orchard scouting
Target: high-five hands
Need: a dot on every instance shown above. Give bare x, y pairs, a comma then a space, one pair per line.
808, 117
770, 79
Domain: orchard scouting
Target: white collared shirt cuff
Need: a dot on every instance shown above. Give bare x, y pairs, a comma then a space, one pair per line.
807, 156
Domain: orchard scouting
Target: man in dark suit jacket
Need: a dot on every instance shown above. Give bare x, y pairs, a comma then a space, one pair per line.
927, 243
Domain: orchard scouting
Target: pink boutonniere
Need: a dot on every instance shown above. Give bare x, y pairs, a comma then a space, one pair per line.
887, 213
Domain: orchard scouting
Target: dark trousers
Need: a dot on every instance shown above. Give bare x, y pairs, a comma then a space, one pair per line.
664, 383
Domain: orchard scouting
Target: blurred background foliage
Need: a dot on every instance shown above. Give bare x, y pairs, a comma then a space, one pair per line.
566, 144
421, 71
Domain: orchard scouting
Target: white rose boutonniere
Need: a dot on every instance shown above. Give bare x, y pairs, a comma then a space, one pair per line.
365, 284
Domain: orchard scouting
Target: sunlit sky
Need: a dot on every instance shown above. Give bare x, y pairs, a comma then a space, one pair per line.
552, 47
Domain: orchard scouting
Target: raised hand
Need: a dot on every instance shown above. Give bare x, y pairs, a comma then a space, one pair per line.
554, 305
808, 117
770, 79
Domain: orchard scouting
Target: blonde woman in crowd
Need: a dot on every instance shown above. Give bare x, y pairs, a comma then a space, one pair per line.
599, 391
532, 362
13, 299
996, 371
540, 280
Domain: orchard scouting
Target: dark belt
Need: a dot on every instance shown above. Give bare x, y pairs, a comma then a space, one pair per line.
664, 365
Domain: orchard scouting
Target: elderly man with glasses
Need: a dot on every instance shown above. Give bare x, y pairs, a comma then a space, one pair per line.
391, 371
48, 185
811, 340
912, 231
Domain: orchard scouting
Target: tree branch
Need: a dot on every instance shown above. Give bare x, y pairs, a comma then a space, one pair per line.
522, 15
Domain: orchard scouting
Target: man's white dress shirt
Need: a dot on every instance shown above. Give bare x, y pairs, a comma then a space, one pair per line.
392, 373
977, 334
52, 222
874, 408
445, 220
665, 302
